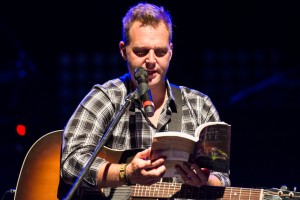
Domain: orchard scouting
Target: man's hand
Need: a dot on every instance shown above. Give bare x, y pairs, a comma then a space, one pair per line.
192, 175
144, 171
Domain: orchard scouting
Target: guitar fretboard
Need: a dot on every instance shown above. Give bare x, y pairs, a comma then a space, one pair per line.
178, 190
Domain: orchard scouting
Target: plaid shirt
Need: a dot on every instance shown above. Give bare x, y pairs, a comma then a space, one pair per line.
94, 114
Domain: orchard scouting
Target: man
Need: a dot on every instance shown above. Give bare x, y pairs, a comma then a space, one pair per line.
147, 43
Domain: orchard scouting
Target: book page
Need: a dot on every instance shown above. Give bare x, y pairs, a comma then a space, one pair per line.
177, 147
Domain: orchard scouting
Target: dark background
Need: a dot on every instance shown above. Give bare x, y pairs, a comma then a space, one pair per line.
243, 54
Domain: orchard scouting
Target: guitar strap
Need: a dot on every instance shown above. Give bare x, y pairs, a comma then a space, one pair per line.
176, 118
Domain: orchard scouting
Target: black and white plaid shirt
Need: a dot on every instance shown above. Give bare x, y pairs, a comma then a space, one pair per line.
94, 114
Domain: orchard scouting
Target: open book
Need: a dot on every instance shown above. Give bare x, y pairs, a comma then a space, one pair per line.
209, 147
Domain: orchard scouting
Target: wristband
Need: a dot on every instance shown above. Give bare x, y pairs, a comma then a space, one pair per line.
122, 174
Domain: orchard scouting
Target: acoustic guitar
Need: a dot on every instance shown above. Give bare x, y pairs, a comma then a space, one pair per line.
39, 180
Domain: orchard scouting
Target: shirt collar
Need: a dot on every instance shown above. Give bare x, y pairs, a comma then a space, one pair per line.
172, 100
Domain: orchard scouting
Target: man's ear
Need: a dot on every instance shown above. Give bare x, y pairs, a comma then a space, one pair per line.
171, 51
122, 48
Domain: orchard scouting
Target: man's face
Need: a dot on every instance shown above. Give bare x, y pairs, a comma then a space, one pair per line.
149, 48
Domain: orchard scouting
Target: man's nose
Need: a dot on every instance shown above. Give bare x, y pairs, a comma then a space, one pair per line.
151, 58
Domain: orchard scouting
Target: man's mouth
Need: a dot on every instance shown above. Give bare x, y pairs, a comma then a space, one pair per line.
151, 72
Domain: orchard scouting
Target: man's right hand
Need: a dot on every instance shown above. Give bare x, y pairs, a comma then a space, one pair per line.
142, 170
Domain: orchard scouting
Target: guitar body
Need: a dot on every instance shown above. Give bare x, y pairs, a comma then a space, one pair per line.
39, 175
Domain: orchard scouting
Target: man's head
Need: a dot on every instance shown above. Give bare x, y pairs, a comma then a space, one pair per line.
147, 36
148, 15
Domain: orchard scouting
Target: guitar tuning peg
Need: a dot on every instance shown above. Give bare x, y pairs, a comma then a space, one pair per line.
283, 187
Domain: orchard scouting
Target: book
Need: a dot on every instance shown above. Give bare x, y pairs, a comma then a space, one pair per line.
209, 147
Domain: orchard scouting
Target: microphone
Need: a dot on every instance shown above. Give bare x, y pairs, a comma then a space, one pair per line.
141, 76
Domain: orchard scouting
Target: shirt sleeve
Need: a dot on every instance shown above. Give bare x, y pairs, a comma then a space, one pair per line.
82, 134
223, 177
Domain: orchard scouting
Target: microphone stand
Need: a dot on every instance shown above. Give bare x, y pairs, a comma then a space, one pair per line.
130, 97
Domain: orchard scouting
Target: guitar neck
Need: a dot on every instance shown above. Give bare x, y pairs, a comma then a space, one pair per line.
178, 190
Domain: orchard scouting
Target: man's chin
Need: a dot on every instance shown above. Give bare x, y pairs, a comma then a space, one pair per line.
156, 84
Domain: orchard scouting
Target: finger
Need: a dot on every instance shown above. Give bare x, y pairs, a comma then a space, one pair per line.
184, 175
202, 173
156, 172
194, 175
149, 176
158, 161
180, 171
206, 172
144, 154
140, 160
190, 172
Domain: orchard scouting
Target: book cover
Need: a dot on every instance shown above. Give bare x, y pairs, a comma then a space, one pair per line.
212, 151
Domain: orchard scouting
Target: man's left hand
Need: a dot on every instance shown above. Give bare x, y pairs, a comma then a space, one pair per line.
193, 175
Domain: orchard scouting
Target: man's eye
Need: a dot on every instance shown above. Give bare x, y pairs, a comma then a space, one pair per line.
161, 53
141, 53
